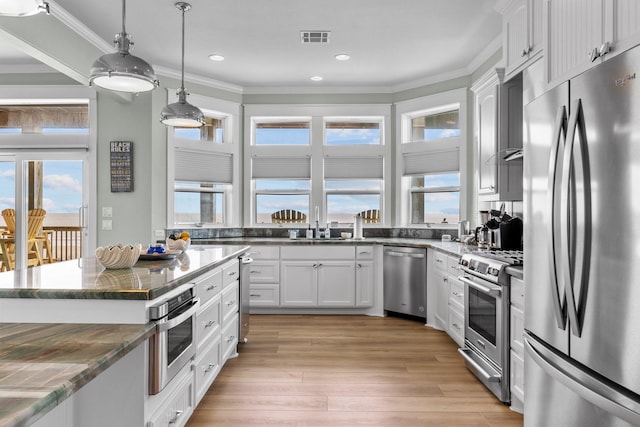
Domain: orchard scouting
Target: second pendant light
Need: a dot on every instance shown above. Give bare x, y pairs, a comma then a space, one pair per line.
181, 113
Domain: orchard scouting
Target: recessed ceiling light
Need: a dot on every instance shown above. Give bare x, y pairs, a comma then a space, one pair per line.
316, 78
342, 57
216, 57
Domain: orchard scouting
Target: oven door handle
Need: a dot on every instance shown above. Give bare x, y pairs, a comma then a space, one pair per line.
484, 374
482, 288
165, 326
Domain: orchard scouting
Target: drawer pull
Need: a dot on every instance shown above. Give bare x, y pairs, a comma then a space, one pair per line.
230, 303
175, 418
457, 294
455, 325
209, 368
364, 253
255, 295
209, 324
211, 287
231, 273
230, 338
254, 271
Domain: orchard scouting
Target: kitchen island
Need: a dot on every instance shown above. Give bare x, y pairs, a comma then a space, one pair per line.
73, 335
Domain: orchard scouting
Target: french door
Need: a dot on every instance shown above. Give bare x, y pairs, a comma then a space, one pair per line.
59, 182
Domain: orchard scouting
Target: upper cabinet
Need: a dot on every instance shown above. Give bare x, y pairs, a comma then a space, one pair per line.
522, 34
582, 33
498, 137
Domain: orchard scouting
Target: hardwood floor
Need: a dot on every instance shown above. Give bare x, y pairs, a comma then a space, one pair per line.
348, 371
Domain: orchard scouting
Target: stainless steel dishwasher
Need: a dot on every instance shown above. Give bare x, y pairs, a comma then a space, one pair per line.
405, 280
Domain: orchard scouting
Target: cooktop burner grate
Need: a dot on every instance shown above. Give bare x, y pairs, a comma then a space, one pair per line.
512, 257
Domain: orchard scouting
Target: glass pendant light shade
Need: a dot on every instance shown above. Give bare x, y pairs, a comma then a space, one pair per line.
22, 7
181, 113
121, 71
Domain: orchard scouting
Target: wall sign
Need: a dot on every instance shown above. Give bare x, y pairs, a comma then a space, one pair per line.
121, 166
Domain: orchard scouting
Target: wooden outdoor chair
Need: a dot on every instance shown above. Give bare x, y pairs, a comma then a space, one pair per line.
34, 238
371, 216
288, 216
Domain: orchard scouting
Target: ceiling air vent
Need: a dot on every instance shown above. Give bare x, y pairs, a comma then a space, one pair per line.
314, 36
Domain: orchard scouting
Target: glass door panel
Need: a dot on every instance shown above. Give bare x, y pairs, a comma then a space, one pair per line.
7, 205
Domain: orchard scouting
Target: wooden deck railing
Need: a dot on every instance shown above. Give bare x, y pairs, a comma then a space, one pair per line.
66, 242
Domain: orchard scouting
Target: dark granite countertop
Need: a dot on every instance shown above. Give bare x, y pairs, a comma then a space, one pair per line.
41, 365
87, 279
453, 248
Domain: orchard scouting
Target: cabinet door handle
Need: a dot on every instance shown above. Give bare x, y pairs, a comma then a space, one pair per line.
211, 287
359, 265
230, 303
209, 324
230, 338
175, 417
231, 273
209, 368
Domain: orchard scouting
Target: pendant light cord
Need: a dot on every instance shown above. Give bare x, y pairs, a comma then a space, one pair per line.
124, 15
182, 74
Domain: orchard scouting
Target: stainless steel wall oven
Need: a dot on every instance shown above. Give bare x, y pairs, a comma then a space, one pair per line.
173, 344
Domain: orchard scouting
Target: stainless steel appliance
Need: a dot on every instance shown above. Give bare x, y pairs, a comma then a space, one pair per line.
582, 322
486, 343
172, 346
244, 310
405, 279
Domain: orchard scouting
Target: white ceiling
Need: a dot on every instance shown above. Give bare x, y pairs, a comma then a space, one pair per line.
394, 44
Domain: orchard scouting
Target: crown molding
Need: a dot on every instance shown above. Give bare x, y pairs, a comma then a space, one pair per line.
197, 79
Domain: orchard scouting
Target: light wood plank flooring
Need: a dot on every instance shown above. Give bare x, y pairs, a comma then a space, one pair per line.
348, 371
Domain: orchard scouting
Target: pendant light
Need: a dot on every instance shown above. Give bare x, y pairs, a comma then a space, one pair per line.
121, 71
23, 7
181, 113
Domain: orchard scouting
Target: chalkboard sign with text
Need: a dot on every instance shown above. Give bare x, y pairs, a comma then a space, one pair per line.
121, 166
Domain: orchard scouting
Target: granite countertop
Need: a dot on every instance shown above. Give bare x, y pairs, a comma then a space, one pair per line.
87, 279
43, 364
453, 248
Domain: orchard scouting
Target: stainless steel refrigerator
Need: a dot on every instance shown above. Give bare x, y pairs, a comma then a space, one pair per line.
582, 249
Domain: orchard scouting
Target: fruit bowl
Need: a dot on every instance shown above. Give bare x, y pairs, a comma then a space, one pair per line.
118, 256
178, 245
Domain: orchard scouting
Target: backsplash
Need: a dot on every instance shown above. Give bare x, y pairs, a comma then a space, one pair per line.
399, 233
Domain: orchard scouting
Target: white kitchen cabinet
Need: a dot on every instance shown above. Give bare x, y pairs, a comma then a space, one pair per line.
208, 322
318, 276
517, 344
208, 364
582, 33
229, 338
498, 133
178, 407
365, 280
522, 34
442, 299
264, 276
299, 286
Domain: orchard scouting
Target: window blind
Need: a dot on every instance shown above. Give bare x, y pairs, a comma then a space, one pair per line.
281, 167
431, 162
203, 166
353, 167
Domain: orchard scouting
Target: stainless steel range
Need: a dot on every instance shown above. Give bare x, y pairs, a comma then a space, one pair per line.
486, 350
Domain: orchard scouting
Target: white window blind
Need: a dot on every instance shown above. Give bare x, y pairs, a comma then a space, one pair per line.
281, 167
431, 162
353, 167
203, 166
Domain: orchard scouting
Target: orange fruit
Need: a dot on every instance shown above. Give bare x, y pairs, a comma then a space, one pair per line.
184, 235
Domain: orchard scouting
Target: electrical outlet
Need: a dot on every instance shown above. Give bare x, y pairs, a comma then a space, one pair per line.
159, 233
107, 224
107, 212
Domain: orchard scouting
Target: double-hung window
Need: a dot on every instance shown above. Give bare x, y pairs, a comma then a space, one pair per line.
430, 158
203, 162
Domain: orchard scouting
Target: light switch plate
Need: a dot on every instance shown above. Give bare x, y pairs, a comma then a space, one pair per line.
107, 224
159, 233
107, 212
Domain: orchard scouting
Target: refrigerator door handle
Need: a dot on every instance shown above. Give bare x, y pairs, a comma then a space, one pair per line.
553, 232
600, 392
576, 212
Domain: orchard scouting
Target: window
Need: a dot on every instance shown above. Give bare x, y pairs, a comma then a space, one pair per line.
324, 162
212, 131
203, 164
274, 195
199, 203
432, 159
282, 132
352, 132
435, 198
347, 198
45, 119
438, 125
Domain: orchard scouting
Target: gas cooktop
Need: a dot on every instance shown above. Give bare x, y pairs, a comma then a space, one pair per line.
511, 257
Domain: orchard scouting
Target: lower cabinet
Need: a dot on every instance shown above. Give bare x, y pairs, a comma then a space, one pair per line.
318, 283
449, 296
336, 284
177, 409
264, 295
229, 338
207, 367
365, 280
516, 318
441, 311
